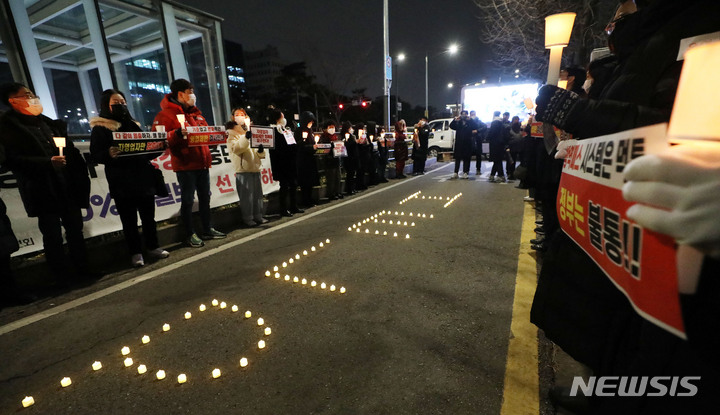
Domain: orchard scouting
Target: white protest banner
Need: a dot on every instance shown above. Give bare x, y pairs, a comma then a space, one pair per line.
264, 136
102, 216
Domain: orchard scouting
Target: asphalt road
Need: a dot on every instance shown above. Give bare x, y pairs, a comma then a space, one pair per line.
423, 327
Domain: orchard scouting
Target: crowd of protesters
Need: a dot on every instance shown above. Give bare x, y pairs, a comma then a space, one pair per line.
576, 305
54, 182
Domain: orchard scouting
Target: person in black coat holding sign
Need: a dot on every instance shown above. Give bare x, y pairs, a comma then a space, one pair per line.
53, 188
133, 181
575, 303
283, 159
308, 176
465, 128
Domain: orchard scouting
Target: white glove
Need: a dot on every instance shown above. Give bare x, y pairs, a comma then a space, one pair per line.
562, 148
678, 194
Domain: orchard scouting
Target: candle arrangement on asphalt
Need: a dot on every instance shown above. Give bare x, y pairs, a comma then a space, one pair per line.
299, 280
388, 223
160, 373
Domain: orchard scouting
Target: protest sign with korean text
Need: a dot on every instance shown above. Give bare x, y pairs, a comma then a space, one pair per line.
323, 148
264, 136
139, 142
591, 210
206, 135
339, 149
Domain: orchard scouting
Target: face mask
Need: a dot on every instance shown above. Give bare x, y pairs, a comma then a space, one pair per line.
586, 86
34, 106
119, 111
240, 120
331, 131
282, 122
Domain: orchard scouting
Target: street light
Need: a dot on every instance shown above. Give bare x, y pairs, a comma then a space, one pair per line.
400, 58
450, 85
558, 28
451, 50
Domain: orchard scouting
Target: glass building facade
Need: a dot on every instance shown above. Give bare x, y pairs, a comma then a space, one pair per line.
69, 51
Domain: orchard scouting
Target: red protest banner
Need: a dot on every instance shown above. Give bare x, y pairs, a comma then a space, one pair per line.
591, 209
206, 135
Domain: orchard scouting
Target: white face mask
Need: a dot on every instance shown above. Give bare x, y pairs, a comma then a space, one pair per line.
34, 106
240, 120
282, 122
588, 83
331, 131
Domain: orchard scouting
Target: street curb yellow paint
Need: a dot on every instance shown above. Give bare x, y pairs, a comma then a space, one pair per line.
521, 386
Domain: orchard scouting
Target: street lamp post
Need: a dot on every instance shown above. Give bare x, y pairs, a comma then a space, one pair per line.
451, 50
400, 58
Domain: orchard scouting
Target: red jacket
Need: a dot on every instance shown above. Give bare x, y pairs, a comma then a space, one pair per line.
182, 157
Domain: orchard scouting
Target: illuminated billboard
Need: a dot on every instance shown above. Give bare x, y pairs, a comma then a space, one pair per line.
486, 99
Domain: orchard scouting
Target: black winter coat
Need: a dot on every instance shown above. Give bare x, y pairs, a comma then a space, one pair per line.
463, 137
283, 158
423, 136
127, 176
28, 145
497, 139
307, 162
575, 303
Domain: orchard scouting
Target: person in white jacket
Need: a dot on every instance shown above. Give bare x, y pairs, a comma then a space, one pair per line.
247, 163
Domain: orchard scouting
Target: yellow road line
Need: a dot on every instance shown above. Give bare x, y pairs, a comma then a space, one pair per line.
521, 389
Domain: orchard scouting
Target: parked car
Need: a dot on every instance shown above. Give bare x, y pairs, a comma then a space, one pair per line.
442, 138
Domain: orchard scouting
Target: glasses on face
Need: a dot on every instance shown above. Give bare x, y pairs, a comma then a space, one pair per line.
27, 95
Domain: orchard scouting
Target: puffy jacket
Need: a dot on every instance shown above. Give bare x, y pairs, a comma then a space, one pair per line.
182, 157
127, 176
245, 159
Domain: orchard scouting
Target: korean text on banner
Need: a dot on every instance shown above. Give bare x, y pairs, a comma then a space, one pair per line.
102, 216
339, 149
206, 135
591, 210
137, 142
264, 136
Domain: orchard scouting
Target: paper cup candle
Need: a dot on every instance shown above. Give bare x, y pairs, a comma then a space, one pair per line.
59, 143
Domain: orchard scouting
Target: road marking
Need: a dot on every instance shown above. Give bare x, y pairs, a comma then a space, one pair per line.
521, 386
187, 261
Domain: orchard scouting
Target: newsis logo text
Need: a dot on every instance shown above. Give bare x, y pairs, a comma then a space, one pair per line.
636, 386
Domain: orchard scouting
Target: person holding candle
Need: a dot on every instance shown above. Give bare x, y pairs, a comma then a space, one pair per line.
247, 162
364, 157
576, 304
401, 149
131, 178
308, 176
351, 161
371, 132
382, 154
331, 164
465, 128
283, 159
420, 146
190, 164
53, 188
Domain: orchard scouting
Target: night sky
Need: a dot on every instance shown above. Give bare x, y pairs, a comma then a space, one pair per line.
345, 37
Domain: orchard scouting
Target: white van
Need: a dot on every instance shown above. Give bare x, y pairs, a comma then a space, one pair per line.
442, 138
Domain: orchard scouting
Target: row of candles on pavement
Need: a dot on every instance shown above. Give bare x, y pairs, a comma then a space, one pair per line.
160, 374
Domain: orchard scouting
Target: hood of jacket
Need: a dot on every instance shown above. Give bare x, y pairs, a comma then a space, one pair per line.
111, 125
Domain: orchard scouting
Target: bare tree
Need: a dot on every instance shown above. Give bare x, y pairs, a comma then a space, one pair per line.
515, 29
